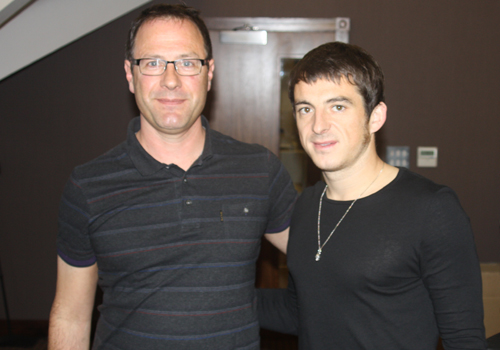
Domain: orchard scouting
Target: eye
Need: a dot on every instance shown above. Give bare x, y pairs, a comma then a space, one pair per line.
338, 108
304, 110
152, 63
187, 63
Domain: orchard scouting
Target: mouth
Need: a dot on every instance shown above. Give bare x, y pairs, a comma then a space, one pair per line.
324, 144
170, 101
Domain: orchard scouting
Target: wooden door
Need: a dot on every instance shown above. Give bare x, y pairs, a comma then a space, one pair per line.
245, 98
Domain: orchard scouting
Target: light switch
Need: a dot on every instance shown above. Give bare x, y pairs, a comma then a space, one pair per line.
398, 156
427, 157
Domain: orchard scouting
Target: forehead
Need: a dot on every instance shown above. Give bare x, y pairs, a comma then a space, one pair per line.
171, 36
325, 89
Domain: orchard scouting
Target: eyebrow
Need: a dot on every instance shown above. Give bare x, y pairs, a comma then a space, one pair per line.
340, 99
331, 100
301, 103
183, 56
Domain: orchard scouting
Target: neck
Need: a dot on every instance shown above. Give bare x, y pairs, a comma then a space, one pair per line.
180, 149
359, 180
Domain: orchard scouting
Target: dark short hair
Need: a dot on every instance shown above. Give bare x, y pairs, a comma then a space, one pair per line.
336, 60
164, 11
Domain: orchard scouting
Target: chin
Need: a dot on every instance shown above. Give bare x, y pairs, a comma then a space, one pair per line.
324, 166
329, 166
322, 162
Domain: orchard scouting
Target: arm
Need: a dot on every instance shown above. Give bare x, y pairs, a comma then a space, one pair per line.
71, 313
279, 240
278, 309
452, 275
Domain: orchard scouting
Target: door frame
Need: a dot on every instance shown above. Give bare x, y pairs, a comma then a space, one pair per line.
340, 25
271, 262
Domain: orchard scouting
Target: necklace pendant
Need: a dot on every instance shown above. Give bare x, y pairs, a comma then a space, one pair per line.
318, 254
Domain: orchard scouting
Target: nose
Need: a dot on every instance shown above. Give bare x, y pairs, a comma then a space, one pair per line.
170, 79
320, 123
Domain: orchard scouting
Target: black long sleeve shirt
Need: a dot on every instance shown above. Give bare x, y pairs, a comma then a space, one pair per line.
400, 271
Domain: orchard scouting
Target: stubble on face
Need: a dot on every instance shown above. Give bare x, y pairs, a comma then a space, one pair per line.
344, 123
335, 166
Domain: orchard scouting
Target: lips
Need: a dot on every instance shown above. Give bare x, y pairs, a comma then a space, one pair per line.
170, 101
324, 144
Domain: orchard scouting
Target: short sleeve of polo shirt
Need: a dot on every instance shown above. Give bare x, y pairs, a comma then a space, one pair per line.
73, 241
282, 196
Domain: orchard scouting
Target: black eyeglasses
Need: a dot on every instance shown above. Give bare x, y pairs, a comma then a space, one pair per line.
156, 66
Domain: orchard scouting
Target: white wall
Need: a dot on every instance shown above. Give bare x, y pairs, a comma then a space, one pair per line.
47, 25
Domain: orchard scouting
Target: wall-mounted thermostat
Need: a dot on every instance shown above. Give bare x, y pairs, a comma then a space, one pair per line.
427, 157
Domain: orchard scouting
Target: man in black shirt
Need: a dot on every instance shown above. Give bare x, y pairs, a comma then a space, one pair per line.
169, 222
379, 257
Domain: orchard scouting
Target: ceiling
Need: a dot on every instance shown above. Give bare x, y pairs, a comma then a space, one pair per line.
8, 8
32, 29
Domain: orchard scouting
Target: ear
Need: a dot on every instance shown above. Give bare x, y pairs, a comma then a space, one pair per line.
211, 68
129, 74
378, 117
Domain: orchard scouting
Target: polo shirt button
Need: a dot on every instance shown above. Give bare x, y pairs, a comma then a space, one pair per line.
189, 202
185, 180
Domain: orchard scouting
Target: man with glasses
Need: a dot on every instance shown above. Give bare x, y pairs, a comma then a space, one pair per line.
169, 222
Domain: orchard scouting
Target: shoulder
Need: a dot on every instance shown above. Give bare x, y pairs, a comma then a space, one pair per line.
234, 153
311, 194
411, 184
114, 160
226, 145
418, 192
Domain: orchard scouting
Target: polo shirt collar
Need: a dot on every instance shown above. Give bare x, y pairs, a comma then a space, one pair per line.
207, 148
145, 163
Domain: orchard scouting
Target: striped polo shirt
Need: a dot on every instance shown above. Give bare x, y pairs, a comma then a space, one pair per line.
176, 250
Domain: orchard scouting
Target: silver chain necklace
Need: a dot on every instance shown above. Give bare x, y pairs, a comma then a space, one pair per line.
320, 246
